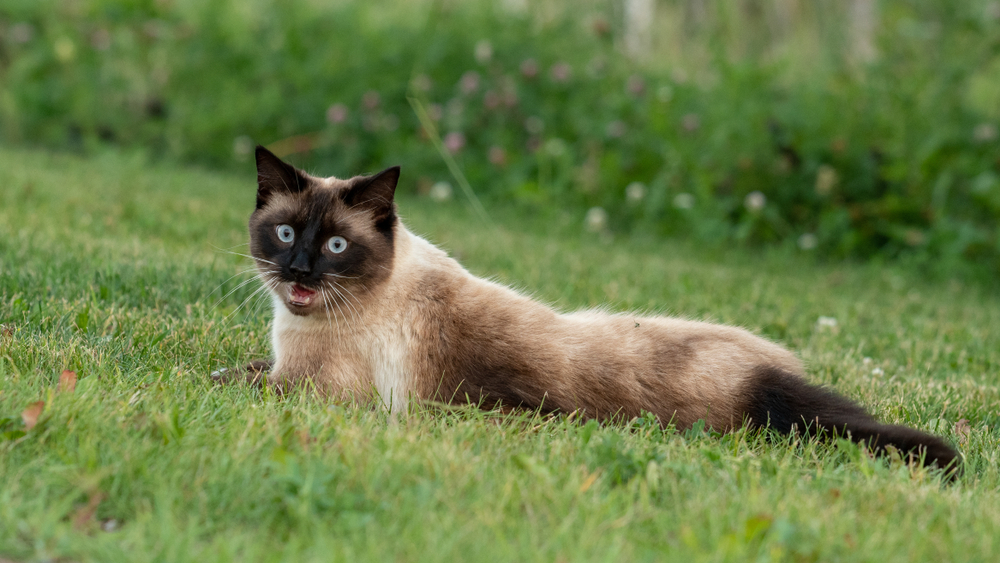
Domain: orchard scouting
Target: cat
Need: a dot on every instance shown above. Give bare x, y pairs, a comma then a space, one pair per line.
365, 310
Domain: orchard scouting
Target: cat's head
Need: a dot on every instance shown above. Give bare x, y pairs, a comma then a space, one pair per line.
322, 245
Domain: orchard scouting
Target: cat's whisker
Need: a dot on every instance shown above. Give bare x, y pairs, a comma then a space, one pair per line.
259, 276
257, 258
352, 296
220, 249
272, 285
329, 318
354, 313
340, 311
243, 272
340, 276
256, 292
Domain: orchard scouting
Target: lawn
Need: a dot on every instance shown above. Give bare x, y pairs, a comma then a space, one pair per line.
129, 273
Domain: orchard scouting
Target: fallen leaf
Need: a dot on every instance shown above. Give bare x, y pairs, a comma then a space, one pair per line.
7, 331
67, 381
589, 482
963, 430
30, 415
85, 513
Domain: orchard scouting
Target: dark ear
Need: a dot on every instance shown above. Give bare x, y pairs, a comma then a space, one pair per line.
275, 176
375, 193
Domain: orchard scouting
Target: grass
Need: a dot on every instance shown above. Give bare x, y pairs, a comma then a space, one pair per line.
123, 271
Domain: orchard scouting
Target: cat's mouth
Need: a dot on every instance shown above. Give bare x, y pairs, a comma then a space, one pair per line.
300, 296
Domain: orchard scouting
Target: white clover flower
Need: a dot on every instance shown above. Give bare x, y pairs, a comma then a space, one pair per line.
985, 132
826, 179
484, 52
683, 201
808, 241
596, 219
635, 192
242, 147
826, 322
755, 201
440, 191
878, 372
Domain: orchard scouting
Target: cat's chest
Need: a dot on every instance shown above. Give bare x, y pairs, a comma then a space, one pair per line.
363, 360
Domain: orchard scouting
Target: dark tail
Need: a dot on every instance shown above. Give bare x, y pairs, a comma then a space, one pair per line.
780, 400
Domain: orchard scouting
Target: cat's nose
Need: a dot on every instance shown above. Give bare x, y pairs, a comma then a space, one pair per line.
300, 266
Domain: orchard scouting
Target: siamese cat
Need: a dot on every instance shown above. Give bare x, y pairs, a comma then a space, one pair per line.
365, 310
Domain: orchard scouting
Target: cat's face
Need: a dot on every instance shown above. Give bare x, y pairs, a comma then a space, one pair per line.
322, 245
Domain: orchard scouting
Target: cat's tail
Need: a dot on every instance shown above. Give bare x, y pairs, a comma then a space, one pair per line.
784, 401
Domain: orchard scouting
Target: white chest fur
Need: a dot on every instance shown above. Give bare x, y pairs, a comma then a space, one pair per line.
345, 356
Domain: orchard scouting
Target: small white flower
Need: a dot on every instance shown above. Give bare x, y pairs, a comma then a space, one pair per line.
985, 132
440, 191
596, 219
683, 201
556, 147
484, 52
755, 201
827, 322
635, 192
878, 372
866, 361
242, 147
807, 241
826, 179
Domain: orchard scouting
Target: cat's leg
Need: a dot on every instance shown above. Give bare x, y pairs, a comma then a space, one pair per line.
254, 374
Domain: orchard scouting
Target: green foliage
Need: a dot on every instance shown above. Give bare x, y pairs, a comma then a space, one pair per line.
721, 133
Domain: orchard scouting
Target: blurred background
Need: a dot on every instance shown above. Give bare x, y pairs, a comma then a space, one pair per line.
842, 128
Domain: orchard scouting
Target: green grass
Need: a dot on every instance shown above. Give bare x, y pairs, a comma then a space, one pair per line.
118, 269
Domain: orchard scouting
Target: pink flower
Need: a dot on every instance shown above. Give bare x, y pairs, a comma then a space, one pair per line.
529, 68
371, 100
422, 83
636, 85
561, 72
454, 141
491, 100
469, 82
336, 114
690, 122
435, 112
497, 156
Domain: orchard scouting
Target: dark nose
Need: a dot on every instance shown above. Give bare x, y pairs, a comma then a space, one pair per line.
300, 266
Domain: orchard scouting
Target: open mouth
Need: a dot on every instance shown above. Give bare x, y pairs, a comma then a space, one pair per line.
301, 296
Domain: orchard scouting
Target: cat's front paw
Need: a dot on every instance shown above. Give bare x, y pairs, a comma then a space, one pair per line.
254, 373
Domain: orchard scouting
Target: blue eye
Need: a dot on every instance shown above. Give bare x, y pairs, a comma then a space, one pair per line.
337, 244
285, 233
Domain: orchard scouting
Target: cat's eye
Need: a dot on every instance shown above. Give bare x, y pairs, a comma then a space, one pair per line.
337, 244
285, 233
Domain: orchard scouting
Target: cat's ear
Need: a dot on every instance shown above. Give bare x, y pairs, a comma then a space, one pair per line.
375, 193
275, 176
